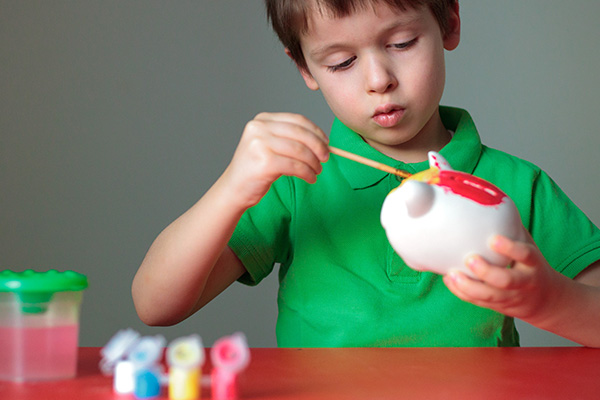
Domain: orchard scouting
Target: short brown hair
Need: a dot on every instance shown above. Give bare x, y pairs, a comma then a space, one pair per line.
289, 18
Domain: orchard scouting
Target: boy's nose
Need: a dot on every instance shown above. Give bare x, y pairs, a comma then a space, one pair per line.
380, 77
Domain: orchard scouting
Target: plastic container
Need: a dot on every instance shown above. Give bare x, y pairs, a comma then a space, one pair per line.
39, 324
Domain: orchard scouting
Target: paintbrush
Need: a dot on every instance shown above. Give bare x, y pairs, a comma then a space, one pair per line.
369, 162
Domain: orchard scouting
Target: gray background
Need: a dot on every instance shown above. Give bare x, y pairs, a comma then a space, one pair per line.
116, 116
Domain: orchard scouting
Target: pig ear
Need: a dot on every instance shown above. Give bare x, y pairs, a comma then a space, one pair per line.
439, 162
418, 197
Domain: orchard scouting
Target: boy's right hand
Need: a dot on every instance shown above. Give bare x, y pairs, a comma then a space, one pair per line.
190, 263
272, 145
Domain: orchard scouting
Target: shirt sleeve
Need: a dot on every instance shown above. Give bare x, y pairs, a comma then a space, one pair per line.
567, 238
261, 237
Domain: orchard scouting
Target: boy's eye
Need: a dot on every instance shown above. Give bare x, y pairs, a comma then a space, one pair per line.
340, 66
404, 45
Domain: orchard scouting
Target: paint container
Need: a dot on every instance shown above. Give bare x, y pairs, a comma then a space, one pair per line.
39, 324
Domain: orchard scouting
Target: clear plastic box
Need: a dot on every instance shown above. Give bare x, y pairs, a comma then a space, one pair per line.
39, 324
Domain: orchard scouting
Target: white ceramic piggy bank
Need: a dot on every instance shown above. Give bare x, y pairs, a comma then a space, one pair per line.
435, 219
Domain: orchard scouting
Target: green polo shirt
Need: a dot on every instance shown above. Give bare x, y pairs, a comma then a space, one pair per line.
342, 285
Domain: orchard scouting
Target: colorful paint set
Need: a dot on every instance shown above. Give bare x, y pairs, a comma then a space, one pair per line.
136, 364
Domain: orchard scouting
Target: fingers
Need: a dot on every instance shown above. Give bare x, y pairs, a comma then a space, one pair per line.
272, 155
275, 144
297, 119
521, 252
499, 277
482, 293
296, 128
468, 289
525, 257
489, 285
517, 291
491, 274
286, 140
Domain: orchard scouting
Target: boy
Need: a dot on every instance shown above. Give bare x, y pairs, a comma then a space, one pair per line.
380, 67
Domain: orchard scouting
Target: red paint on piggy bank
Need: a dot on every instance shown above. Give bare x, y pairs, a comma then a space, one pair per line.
471, 187
439, 217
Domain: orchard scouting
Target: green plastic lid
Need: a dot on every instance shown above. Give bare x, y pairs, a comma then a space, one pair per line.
38, 287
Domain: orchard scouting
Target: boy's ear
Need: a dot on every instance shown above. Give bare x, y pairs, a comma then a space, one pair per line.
310, 82
452, 37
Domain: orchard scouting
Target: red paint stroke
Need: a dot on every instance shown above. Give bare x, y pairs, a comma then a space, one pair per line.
471, 187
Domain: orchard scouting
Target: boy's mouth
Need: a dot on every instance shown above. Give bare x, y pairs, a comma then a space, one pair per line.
388, 115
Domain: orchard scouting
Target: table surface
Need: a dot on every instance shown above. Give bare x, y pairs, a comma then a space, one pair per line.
373, 373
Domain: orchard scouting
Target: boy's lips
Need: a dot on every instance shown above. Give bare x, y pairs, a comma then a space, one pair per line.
388, 115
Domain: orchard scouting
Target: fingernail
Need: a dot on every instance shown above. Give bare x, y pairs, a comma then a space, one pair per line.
454, 276
471, 261
497, 241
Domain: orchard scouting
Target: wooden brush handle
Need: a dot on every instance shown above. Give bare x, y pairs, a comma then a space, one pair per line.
369, 162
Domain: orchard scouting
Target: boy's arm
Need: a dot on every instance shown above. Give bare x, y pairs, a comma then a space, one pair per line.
190, 263
533, 291
185, 259
590, 275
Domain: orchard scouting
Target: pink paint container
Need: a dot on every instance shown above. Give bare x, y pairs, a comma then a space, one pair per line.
39, 324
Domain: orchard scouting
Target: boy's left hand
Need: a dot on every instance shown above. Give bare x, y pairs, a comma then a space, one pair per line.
522, 291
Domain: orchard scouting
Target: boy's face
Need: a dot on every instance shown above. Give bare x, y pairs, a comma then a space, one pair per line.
382, 73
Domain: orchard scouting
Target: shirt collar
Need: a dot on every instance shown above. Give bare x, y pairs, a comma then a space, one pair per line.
462, 152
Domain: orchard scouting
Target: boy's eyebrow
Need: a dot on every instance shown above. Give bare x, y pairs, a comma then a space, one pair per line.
335, 46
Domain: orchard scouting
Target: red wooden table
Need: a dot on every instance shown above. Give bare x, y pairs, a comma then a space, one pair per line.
374, 373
